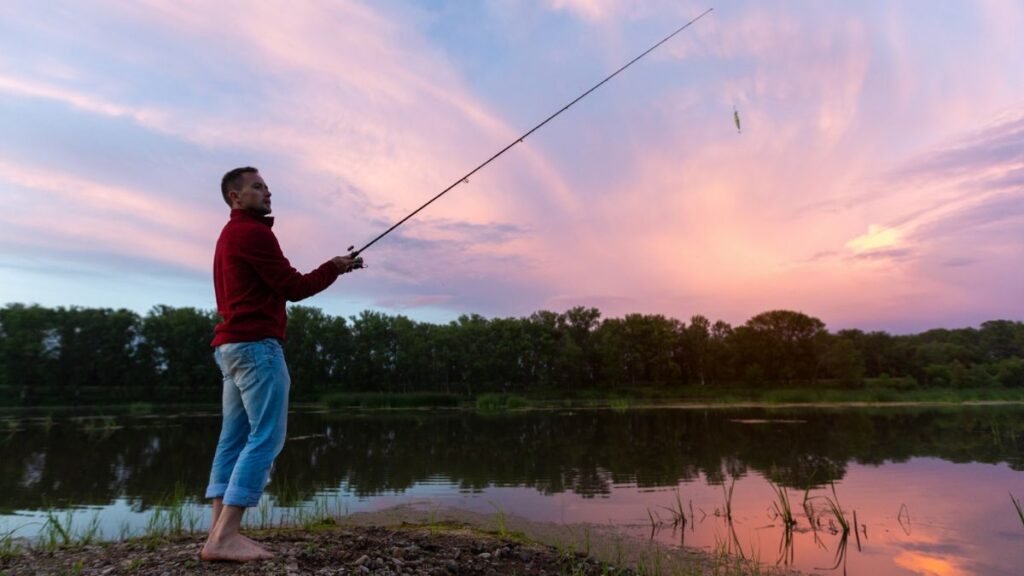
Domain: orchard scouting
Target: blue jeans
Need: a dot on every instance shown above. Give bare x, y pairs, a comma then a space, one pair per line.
255, 405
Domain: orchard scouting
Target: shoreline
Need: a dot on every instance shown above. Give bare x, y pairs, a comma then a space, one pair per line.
411, 539
568, 404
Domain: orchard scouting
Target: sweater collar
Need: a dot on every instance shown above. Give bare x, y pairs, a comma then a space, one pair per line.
237, 214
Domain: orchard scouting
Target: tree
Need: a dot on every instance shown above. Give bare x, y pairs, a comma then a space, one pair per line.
178, 341
306, 349
578, 359
845, 363
786, 344
642, 349
30, 348
99, 349
373, 352
1001, 340
697, 343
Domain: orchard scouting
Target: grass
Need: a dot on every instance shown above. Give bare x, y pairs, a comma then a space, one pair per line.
8, 545
178, 515
883, 395
374, 400
56, 531
141, 408
500, 520
619, 398
500, 402
174, 516
620, 404
881, 390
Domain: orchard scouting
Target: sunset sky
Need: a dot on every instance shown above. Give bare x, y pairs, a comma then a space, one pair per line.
878, 181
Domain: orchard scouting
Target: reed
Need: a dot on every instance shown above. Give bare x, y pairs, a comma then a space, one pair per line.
856, 530
787, 552
810, 512
1019, 507
727, 493
840, 556
904, 513
678, 513
782, 507
837, 510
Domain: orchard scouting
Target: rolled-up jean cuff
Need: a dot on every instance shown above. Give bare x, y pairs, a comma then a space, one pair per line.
243, 497
216, 490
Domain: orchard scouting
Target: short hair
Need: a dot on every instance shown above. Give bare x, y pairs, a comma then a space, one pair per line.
230, 180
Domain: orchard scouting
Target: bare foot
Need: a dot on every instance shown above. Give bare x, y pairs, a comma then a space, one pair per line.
244, 537
236, 548
247, 538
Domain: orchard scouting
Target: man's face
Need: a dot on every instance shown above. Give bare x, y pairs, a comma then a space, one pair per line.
252, 194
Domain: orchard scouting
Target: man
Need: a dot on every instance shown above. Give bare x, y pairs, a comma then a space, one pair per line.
253, 280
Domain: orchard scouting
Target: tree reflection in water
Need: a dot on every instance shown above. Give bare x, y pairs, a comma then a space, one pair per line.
76, 462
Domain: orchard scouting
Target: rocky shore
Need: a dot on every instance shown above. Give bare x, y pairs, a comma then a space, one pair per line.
403, 540
402, 550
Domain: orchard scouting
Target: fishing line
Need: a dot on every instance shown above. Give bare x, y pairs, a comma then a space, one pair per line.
465, 179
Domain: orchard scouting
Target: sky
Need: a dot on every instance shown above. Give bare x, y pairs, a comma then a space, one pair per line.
877, 183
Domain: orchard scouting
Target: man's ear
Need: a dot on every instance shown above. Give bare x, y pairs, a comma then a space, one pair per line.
233, 196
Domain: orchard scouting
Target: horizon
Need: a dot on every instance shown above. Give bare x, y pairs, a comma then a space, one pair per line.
877, 183
685, 322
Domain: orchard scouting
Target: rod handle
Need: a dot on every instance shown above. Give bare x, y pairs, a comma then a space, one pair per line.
354, 254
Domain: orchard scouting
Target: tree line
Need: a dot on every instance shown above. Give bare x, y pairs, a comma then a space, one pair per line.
70, 355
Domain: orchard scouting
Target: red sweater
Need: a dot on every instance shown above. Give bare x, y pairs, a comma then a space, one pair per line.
253, 280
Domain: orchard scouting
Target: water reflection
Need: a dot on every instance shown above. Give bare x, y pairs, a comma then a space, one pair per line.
91, 461
925, 484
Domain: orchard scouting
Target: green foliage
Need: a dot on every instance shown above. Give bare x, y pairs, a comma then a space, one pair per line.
785, 346
499, 402
81, 356
886, 382
1010, 372
371, 400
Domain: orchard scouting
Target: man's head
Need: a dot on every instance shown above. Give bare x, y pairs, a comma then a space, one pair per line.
244, 189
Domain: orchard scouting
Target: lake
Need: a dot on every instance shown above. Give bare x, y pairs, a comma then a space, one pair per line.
930, 486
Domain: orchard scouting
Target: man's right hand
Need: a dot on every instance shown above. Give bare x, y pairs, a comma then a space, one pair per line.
347, 263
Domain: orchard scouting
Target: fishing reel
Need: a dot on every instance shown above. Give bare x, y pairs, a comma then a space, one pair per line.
358, 260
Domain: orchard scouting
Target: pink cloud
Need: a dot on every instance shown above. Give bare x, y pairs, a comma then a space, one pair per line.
356, 117
67, 212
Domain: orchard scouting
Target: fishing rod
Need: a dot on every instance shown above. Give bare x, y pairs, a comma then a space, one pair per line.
465, 179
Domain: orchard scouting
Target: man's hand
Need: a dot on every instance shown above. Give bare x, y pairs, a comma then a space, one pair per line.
347, 263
